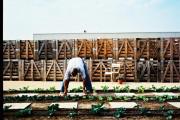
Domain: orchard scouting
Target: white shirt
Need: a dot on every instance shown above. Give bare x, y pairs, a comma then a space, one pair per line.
75, 63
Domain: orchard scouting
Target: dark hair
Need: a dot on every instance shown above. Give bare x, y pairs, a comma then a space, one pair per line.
74, 71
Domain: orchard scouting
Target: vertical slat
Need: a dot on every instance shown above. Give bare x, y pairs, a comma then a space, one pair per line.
26, 43
148, 69
135, 60
22, 68
162, 60
32, 71
54, 70
44, 75
17, 49
8, 49
126, 49
45, 48
11, 70
171, 71
148, 50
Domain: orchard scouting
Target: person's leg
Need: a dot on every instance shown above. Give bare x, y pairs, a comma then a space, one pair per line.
87, 81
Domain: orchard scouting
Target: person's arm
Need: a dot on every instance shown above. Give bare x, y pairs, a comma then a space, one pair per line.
66, 82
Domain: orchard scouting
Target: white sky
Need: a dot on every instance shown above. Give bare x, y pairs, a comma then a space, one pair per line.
22, 18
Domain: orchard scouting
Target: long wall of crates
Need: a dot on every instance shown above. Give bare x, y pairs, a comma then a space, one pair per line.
144, 59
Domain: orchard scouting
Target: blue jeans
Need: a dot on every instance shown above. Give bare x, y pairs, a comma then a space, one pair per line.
88, 84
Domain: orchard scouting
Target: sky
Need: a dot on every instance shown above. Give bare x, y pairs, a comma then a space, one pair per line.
23, 18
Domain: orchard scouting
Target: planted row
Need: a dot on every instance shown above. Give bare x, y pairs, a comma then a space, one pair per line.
140, 89
90, 98
99, 109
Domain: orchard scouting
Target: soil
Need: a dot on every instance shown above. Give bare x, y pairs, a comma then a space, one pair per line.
90, 117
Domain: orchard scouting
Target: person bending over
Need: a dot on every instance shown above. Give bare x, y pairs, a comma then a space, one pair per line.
76, 65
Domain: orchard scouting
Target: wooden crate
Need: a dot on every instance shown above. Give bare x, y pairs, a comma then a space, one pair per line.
103, 48
98, 69
84, 48
26, 49
45, 49
148, 71
148, 48
11, 69
127, 69
170, 70
54, 70
32, 70
64, 49
9, 49
124, 48
170, 49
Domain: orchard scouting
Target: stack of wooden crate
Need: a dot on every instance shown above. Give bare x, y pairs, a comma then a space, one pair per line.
144, 59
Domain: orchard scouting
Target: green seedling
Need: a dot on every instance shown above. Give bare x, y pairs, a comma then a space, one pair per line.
73, 113
169, 114
141, 89
24, 112
5, 108
126, 89
109, 98
105, 88
97, 109
52, 109
119, 112
116, 89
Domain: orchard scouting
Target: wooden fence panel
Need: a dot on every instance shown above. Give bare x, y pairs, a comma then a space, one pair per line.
26, 49
45, 50
64, 49
103, 48
11, 70
170, 71
148, 71
127, 69
98, 70
170, 49
148, 48
125, 48
84, 48
54, 70
32, 70
9, 49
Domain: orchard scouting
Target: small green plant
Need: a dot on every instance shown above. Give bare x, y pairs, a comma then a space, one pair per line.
52, 89
126, 89
160, 99
169, 114
105, 88
97, 109
24, 89
109, 98
119, 112
162, 107
78, 89
24, 112
37, 90
91, 98
73, 113
141, 89
52, 109
116, 89
100, 98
